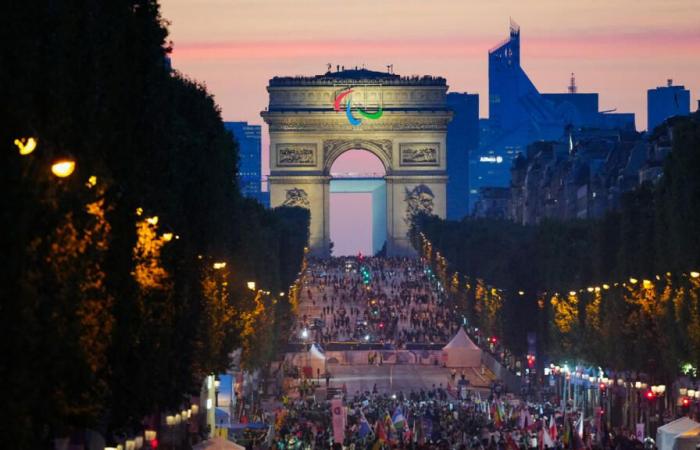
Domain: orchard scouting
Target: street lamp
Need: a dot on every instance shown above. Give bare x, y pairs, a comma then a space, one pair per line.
304, 333
251, 285
25, 145
63, 168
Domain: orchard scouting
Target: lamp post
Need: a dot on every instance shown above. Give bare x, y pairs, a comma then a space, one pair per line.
63, 167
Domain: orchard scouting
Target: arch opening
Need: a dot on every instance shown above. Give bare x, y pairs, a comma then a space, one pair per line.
358, 221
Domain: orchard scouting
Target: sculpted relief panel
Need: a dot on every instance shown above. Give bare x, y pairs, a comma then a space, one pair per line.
418, 200
296, 197
420, 154
296, 155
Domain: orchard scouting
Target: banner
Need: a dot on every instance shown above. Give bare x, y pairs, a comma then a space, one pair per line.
339, 420
640, 432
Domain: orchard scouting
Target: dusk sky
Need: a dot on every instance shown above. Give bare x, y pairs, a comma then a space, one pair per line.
618, 48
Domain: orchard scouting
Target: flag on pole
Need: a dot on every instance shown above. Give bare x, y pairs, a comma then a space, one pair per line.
379, 430
398, 420
547, 440
553, 428
579, 426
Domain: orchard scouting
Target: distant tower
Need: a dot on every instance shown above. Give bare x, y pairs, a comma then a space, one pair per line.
572, 84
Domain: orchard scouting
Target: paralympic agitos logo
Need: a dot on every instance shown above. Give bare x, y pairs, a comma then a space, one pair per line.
348, 109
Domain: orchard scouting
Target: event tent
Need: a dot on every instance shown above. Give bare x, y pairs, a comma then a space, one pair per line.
681, 434
461, 352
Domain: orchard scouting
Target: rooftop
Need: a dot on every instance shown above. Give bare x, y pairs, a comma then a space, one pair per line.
357, 76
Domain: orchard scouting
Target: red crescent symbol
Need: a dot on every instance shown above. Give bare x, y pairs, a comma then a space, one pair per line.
340, 98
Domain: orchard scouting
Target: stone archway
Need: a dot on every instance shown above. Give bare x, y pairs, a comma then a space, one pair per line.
401, 120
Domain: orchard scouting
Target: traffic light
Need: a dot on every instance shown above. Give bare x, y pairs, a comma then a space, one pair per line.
685, 402
650, 396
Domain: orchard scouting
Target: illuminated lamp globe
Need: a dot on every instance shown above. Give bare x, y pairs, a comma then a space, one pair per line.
63, 168
25, 145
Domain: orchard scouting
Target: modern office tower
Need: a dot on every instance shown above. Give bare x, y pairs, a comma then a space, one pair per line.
515, 104
250, 162
462, 141
666, 101
518, 115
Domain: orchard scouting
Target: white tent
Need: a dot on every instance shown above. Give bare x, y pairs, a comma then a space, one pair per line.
316, 360
681, 434
461, 352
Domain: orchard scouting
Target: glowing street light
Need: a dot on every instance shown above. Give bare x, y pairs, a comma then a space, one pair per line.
63, 168
25, 145
251, 285
304, 333
219, 265
695, 274
167, 237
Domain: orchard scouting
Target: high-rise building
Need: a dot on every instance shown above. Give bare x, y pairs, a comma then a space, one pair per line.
462, 141
250, 159
666, 101
520, 115
515, 104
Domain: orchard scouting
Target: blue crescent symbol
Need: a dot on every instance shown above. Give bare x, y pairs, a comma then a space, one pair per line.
354, 122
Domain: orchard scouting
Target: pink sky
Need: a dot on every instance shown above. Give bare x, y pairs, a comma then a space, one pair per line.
618, 48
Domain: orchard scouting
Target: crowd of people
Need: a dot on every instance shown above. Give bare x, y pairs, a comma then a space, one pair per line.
433, 419
372, 300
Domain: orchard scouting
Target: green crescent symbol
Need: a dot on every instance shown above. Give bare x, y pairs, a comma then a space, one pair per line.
374, 115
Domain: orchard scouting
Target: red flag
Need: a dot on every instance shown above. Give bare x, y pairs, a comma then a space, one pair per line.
553, 428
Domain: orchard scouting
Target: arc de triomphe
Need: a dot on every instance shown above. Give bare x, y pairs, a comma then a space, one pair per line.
401, 120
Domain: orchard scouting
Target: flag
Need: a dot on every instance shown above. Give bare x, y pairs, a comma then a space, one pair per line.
547, 440
553, 428
379, 430
339, 419
365, 429
566, 433
579, 426
398, 420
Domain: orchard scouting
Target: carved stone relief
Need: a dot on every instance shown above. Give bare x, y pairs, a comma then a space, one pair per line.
418, 200
296, 155
420, 154
296, 197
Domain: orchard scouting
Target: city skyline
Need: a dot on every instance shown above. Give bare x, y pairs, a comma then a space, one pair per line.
632, 47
